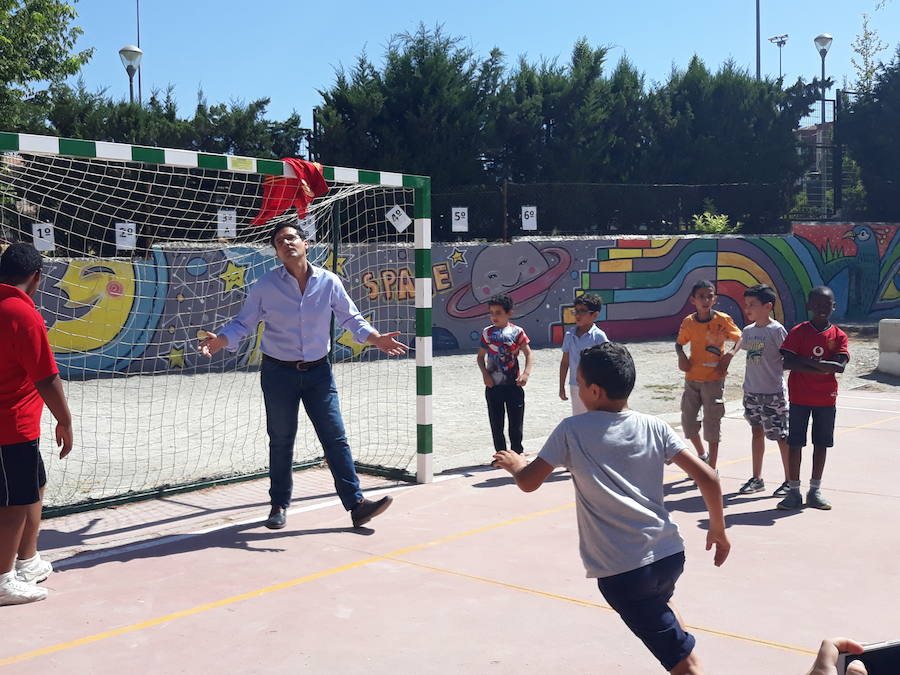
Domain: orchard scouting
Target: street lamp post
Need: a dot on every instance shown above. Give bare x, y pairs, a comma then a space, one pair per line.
131, 59
781, 41
823, 44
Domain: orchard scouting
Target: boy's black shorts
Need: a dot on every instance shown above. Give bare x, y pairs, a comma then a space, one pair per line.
641, 598
22, 474
822, 424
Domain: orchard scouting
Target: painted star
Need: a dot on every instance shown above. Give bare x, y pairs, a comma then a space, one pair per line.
458, 257
233, 276
346, 339
176, 358
337, 269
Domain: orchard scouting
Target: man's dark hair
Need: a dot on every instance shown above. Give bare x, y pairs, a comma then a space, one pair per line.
278, 227
19, 261
820, 290
609, 365
762, 292
703, 283
501, 300
592, 302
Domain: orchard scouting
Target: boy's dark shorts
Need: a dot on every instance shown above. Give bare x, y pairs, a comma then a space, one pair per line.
22, 474
641, 598
822, 424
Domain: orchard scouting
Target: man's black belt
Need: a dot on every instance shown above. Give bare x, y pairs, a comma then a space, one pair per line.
296, 365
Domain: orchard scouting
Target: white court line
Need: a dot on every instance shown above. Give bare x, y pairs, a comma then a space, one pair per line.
849, 407
871, 398
171, 539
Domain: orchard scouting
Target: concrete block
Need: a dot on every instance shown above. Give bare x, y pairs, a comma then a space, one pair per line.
889, 346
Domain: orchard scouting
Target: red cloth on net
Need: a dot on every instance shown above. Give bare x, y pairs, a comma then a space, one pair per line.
281, 193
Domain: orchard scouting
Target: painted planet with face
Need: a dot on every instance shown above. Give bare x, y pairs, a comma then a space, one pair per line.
520, 270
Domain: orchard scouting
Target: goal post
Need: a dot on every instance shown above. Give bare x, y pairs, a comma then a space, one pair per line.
146, 247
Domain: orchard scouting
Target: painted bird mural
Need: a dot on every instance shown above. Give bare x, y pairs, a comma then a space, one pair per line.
872, 280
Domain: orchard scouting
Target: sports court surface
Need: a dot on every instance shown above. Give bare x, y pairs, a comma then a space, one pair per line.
467, 574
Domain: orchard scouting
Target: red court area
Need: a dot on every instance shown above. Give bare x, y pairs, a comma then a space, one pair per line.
467, 574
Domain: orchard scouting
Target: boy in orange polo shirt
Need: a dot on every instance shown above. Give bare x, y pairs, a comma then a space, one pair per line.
704, 382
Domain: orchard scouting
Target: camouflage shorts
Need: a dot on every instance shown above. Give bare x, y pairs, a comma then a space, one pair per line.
769, 411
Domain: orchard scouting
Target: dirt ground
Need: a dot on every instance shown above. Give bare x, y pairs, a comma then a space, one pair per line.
462, 435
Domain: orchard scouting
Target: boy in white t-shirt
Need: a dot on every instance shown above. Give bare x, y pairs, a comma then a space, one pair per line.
628, 543
585, 334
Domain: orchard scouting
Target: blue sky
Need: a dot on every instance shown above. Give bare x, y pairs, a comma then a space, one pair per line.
287, 50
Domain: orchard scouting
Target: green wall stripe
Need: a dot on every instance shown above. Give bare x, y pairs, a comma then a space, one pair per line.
370, 177
423, 380
423, 263
424, 439
423, 323
71, 146
9, 141
148, 155
270, 167
205, 161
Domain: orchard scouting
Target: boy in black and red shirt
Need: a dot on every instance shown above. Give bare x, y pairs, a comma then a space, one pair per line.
813, 351
28, 379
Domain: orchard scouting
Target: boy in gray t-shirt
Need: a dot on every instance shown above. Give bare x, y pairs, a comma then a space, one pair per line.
627, 541
765, 405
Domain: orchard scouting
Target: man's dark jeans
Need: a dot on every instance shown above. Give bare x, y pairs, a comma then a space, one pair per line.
283, 389
506, 400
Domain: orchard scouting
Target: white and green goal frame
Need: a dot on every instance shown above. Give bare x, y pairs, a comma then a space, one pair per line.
421, 186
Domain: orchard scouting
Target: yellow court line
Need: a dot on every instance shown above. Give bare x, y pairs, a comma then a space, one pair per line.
600, 605
334, 570
269, 589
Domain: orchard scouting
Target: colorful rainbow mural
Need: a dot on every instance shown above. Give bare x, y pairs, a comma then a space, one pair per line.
143, 316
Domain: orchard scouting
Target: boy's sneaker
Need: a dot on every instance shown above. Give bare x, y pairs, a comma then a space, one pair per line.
13, 591
751, 486
792, 502
782, 490
34, 570
815, 500
704, 458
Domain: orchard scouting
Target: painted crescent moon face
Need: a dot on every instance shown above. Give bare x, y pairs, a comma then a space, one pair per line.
100, 296
502, 269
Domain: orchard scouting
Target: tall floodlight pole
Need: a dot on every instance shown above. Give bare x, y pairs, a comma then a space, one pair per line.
823, 44
757, 39
779, 40
131, 59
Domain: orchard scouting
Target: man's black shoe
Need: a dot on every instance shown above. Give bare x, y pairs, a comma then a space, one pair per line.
363, 512
277, 518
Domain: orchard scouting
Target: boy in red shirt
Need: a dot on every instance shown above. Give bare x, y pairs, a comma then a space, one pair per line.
813, 351
28, 379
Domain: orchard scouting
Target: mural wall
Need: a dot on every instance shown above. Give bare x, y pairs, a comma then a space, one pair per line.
645, 283
143, 316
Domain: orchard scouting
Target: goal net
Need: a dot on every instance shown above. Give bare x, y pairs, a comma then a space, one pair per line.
145, 248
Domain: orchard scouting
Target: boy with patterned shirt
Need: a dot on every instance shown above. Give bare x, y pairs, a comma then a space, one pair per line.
814, 351
498, 360
704, 381
585, 334
765, 407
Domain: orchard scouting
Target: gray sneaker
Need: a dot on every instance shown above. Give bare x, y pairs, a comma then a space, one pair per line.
792, 502
815, 499
782, 490
751, 486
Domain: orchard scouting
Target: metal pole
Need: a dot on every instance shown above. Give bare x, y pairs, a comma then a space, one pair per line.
504, 236
822, 52
838, 156
130, 71
757, 39
779, 60
138, 7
